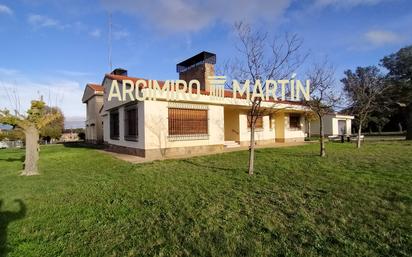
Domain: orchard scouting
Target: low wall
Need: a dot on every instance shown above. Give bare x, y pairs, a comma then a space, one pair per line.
162, 153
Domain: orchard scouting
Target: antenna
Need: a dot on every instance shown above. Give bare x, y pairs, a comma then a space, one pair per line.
110, 42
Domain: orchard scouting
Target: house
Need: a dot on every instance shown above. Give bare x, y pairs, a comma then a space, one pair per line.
334, 124
72, 137
93, 98
161, 128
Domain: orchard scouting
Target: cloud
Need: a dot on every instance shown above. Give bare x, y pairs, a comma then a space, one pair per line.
5, 10
70, 73
345, 3
74, 122
95, 33
64, 93
382, 37
40, 21
189, 15
8, 72
120, 34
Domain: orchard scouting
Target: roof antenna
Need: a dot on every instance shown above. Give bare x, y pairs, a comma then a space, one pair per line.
110, 42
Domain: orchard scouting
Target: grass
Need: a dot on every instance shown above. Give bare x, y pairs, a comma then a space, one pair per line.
86, 203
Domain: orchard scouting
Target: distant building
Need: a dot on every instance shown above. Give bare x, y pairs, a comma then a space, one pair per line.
93, 98
334, 124
69, 137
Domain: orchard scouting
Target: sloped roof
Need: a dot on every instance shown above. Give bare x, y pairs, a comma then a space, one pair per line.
96, 87
91, 90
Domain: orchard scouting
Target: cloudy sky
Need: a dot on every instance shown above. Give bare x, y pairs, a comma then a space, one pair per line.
54, 47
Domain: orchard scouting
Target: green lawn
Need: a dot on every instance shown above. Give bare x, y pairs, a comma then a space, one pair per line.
86, 203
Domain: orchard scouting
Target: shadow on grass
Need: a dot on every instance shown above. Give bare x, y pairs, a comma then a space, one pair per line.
6, 217
212, 167
294, 154
19, 159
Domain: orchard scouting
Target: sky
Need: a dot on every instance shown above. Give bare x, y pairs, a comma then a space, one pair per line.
52, 48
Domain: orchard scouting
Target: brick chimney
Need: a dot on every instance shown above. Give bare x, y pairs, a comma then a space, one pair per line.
199, 67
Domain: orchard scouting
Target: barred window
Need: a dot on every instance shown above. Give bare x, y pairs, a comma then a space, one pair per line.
187, 122
259, 122
131, 131
114, 125
294, 121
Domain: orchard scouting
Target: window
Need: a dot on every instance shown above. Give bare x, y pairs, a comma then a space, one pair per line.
294, 121
183, 122
259, 122
131, 131
114, 125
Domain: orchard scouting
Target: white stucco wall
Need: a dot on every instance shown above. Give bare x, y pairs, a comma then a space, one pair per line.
121, 141
157, 127
349, 126
94, 127
266, 133
106, 127
280, 128
335, 122
153, 128
294, 134
330, 124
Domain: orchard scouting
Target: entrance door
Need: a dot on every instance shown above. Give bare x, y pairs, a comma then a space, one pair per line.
341, 127
231, 124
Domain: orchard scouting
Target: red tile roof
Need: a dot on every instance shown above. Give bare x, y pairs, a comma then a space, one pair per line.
96, 87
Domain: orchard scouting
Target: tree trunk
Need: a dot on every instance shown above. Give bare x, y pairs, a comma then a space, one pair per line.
409, 123
358, 143
322, 138
32, 152
379, 129
252, 150
309, 132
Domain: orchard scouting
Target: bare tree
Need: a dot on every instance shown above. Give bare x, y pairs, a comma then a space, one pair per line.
309, 117
36, 119
263, 59
363, 87
323, 99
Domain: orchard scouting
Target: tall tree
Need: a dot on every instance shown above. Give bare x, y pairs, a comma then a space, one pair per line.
36, 119
55, 129
323, 98
263, 59
399, 65
363, 88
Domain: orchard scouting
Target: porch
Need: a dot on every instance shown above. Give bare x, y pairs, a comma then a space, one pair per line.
277, 126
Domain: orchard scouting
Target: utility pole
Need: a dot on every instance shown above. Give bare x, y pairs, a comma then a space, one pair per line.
110, 42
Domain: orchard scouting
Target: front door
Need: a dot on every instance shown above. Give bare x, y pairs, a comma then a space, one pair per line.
341, 127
